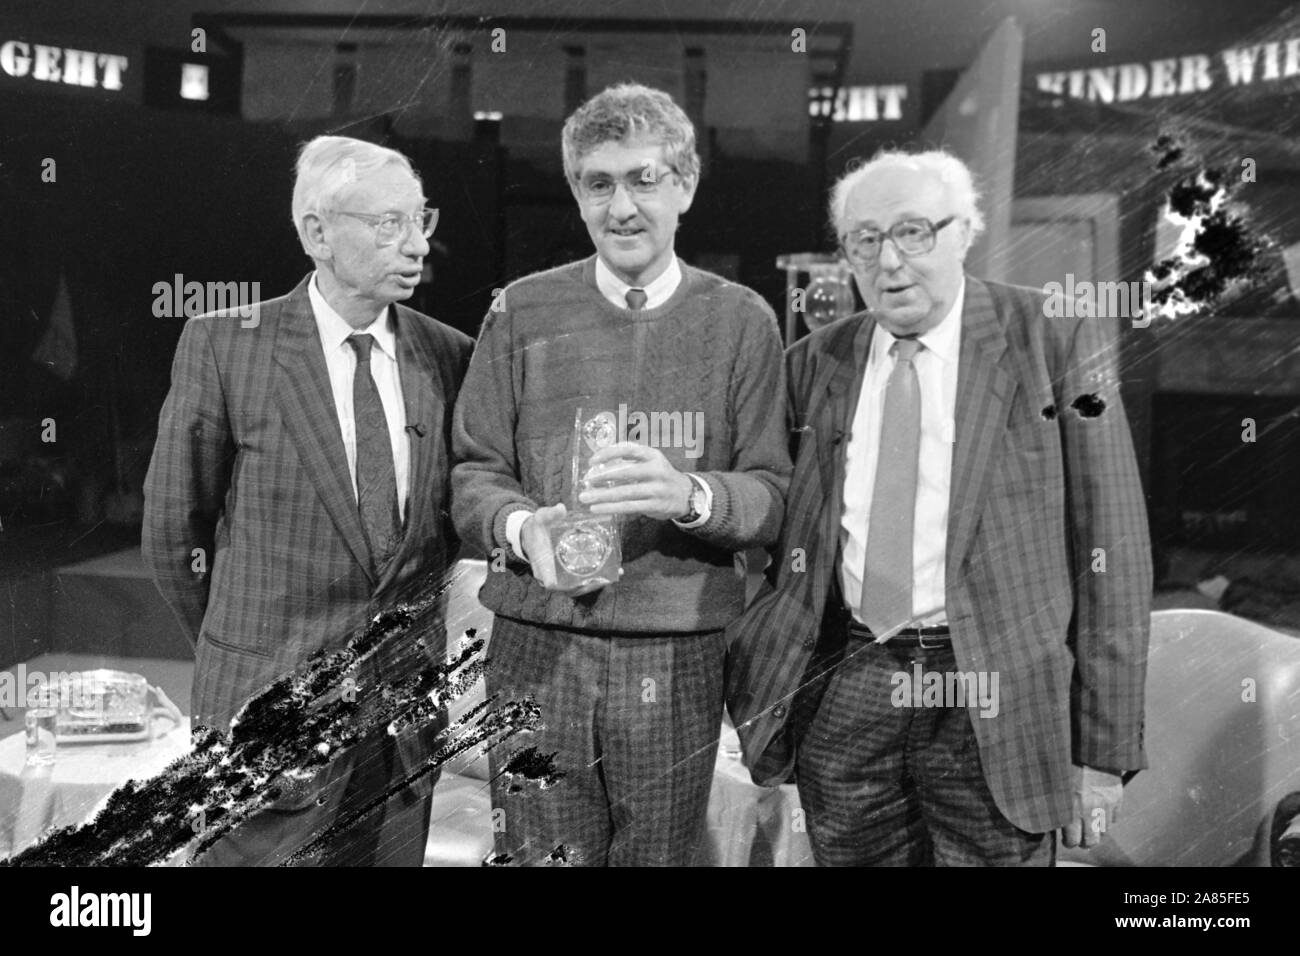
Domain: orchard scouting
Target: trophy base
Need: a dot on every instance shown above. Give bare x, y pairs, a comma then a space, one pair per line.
587, 550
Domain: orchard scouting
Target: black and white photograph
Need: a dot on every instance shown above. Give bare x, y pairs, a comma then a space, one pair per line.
563, 433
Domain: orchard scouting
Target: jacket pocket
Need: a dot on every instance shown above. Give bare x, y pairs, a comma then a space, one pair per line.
232, 648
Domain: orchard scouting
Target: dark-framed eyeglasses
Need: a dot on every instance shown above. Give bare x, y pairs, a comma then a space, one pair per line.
912, 237
391, 226
599, 189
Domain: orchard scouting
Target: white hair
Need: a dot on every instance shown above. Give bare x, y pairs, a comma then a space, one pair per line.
943, 165
327, 165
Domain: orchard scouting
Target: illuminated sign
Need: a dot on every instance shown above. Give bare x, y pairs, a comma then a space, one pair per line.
63, 65
1243, 66
193, 82
858, 104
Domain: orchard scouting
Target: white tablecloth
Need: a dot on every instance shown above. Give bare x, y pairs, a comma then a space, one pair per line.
751, 825
34, 799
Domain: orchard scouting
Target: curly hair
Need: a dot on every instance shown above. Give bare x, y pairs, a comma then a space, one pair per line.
630, 111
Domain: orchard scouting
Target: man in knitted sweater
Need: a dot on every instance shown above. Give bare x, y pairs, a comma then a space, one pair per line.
688, 367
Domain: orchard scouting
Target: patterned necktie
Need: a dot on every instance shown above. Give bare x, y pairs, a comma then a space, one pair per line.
887, 577
636, 299
376, 474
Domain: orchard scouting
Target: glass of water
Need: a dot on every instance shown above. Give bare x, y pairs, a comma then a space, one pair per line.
42, 718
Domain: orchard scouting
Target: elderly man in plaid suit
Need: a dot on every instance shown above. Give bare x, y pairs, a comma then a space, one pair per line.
300, 484
950, 650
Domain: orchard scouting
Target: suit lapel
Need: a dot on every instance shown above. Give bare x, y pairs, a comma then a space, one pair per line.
306, 403
834, 392
842, 375
983, 390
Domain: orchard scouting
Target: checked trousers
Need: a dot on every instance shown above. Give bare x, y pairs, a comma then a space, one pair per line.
633, 722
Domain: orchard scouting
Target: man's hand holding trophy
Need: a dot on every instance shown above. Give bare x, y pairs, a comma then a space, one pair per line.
576, 548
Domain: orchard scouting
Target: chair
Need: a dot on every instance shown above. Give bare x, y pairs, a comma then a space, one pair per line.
1223, 741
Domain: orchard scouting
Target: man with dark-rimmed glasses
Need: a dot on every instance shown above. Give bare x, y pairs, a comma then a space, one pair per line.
300, 484
956, 668
685, 369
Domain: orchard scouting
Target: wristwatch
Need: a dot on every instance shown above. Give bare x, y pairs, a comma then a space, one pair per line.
695, 502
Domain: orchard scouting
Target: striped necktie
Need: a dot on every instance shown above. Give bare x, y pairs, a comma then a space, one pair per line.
376, 473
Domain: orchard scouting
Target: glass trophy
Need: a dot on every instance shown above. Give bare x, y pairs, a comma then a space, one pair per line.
587, 546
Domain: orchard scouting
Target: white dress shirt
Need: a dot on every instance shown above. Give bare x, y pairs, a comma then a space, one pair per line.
936, 371
615, 290
341, 361
656, 293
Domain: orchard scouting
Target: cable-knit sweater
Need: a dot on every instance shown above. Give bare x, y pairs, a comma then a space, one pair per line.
709, 358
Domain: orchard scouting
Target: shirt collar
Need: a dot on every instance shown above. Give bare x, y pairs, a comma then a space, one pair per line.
943, 340
334, 329
656, 293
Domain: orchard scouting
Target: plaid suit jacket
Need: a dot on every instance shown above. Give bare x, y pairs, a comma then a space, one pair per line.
250, 467
1048, 567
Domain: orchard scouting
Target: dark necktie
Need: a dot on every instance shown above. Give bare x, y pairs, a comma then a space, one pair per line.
887, 577
376, 475
636, 299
